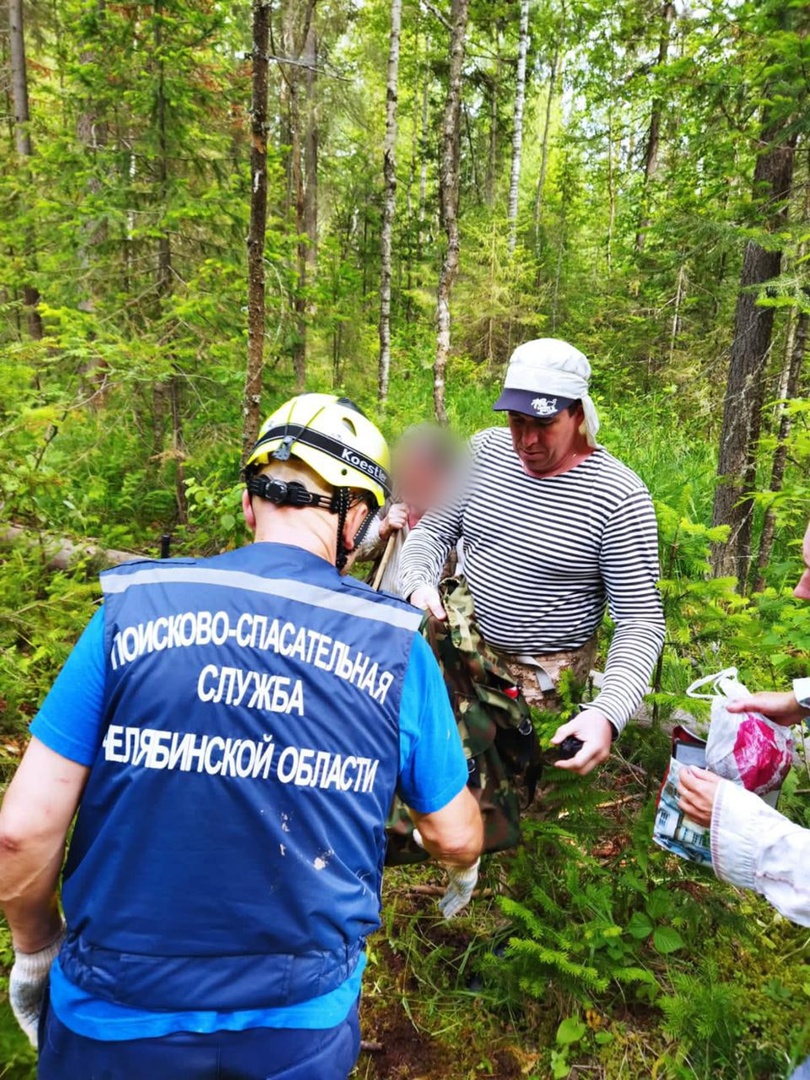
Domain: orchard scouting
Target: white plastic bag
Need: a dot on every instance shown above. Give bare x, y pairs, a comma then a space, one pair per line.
747, 748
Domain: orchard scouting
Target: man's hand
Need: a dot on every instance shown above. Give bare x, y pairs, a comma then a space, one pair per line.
27, 982
593, 728
697, 789
781, 708
394, 520
427, 598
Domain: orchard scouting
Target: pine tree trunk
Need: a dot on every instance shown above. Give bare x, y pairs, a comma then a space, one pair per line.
541, 180
295, 39
611, 190
25, 149
164, 285
256, 285
389, 204
448, 201
492, 150
651, 152
517, 129
311, 149
91, 132
753, 325
793, 373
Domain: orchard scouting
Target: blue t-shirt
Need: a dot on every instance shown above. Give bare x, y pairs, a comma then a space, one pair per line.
432, 771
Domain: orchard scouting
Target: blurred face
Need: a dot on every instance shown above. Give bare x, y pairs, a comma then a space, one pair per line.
420, 481
544, 444
802, 590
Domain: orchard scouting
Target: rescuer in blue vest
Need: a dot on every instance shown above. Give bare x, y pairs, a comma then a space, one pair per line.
232, 731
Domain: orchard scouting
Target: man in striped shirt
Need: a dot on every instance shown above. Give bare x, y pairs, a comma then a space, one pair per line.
555, 530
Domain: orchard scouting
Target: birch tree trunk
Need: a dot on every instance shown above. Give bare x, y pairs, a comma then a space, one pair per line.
517, 130
753, 325
389, 204
25, 149
448, 201
256, 284
651, 152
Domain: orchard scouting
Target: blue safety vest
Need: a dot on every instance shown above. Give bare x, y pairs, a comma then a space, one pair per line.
229, 846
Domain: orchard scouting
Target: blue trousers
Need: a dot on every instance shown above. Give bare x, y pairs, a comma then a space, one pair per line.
258, 1054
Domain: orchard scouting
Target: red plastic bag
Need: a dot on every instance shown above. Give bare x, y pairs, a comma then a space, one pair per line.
747, 748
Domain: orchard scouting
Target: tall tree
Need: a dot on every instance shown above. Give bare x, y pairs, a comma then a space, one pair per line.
517, 125
25, 150
164, 285
251, 406
297, 36
652, 147
753, 325
389, 200
791, 381
448, 200
544, 143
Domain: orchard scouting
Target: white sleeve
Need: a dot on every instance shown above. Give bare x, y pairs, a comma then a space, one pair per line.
757, 848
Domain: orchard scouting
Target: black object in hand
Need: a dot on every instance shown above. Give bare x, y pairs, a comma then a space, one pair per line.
569, 748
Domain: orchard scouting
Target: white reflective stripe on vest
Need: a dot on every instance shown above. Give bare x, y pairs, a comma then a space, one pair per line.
285, 588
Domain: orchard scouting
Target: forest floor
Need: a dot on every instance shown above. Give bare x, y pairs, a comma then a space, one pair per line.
436, 1008
442, 1001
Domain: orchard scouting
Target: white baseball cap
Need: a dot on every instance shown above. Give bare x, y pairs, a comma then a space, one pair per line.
544, 377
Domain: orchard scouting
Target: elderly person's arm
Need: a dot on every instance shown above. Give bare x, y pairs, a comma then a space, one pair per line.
753, 846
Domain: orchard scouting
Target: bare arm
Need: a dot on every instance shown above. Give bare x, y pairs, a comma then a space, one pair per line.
455, 834
38, 808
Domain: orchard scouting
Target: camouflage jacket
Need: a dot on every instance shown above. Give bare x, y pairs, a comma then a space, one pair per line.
494, 722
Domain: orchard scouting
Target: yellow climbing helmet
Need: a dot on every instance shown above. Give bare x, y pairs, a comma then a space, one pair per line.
333, 437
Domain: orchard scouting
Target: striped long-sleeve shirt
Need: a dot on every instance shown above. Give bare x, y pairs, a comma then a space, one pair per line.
545, 556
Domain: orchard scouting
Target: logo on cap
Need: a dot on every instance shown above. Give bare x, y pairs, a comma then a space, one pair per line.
544, 406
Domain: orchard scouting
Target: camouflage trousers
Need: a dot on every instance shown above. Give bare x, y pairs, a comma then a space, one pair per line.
539, 676
496, 787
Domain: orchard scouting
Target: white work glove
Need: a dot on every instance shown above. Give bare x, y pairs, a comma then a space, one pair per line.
26, 984
459, 889
460, 885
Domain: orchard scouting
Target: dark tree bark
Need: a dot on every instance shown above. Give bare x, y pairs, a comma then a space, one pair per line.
389, 203
311, 150
25, 149
753, 325
165, 282
91, 132
651, 152
298, 33
448, 201
256, 285
790, 389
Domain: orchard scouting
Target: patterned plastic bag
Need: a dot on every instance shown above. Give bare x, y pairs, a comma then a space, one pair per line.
747, 748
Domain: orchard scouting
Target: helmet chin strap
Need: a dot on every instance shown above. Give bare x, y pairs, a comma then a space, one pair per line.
344, 502
293, 493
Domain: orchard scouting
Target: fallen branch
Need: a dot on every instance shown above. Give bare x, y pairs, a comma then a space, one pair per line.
371, 1047
439, 890
61, 552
